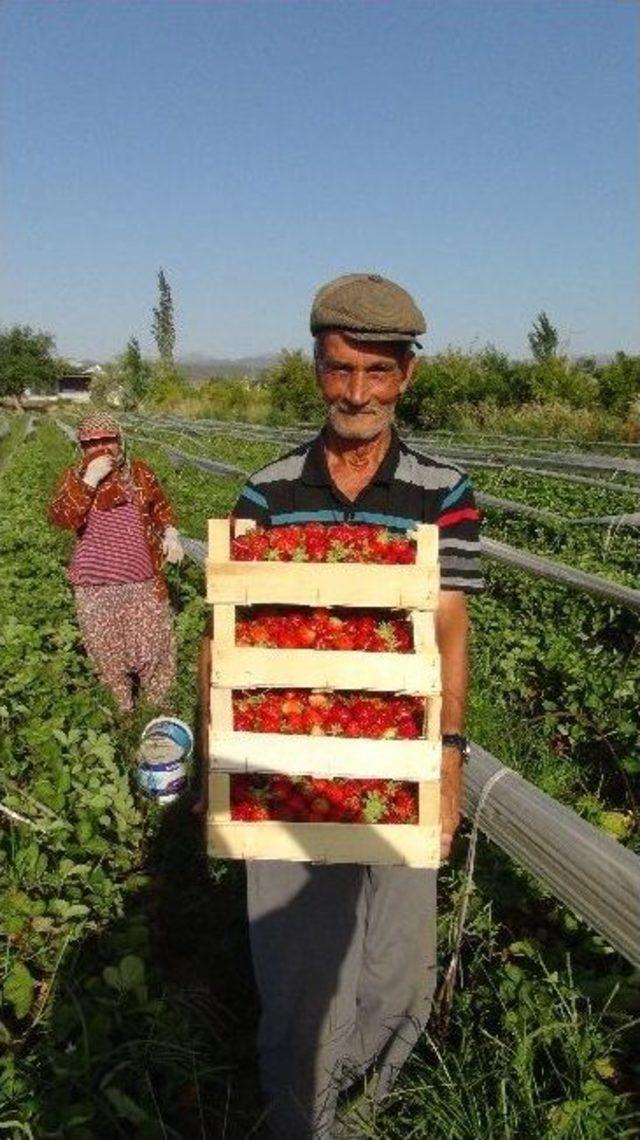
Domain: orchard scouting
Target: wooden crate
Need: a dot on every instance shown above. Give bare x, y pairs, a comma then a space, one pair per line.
411, 587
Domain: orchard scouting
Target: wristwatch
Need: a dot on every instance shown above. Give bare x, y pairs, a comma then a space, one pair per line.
456, 740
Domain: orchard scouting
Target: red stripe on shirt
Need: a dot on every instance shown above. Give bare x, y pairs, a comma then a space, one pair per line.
452, 517
113, 548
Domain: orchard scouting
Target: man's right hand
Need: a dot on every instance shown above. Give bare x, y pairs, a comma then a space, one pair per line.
98, 470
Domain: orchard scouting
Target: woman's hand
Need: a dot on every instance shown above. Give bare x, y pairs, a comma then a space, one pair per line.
171, 545
98, 469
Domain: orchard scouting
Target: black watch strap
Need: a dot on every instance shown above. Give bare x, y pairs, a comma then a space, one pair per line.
456, 740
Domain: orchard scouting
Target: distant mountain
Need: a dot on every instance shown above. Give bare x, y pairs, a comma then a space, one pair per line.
197, 366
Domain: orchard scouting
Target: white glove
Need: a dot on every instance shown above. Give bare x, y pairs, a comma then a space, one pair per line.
171, 545
98, 470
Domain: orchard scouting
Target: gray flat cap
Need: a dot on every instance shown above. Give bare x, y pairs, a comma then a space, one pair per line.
367, 307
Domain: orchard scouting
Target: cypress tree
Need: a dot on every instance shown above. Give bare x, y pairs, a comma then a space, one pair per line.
163, 327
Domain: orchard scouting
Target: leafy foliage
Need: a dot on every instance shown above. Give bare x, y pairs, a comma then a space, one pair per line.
543, 339
26, 361
619, 383
294, 396
163, 325
136, 374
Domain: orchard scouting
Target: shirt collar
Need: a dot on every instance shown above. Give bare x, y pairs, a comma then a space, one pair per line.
315, 472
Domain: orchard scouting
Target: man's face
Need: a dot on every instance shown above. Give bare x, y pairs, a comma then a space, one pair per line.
360, 382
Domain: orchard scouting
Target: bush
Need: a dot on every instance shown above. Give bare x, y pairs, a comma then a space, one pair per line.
452, 380
166, 386
619, 383
26, 361
440, 382
294, 396
552, 419
557, 380
228, 399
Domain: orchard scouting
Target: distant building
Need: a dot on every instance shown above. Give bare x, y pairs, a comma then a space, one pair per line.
76, 386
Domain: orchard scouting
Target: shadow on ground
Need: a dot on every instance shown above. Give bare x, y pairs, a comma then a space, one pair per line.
152, 1027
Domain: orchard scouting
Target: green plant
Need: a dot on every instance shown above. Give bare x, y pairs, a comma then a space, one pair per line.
619, 383
543, 339
293, 392
163, 324
26, 361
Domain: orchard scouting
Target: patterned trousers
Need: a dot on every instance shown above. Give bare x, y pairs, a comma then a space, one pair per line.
128, 631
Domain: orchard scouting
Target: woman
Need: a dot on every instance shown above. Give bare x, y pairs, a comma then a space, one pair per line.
125, 528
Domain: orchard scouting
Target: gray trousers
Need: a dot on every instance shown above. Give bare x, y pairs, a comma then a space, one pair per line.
344, 962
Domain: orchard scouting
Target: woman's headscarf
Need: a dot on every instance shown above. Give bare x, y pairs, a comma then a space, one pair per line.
116, 489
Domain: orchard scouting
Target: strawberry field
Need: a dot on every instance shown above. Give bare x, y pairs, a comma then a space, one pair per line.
128, 1004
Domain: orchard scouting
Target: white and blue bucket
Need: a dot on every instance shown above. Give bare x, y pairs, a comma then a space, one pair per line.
163, 759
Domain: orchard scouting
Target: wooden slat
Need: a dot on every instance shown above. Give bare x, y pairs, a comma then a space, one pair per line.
381, 844
224, 629
329, 584
246, 666
433, 717
424, 632
219, 783
327, 756
219, 531
219, 797
427, 544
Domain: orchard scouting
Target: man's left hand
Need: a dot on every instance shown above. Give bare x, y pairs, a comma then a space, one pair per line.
450, 798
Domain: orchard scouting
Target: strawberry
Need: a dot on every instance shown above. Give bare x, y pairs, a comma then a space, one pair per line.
250, 811
320, 806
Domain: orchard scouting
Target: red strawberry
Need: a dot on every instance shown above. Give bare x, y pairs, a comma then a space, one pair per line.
250, 811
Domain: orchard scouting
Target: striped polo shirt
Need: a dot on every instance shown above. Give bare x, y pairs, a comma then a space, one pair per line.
407, 488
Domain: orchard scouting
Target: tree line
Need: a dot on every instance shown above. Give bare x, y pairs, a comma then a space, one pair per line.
453, 387
450, 389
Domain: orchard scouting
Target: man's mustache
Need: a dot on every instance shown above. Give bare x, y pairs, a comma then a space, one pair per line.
356, 409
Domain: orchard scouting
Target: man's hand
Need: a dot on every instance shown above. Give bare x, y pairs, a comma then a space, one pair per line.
450, 798
98, 470
171, 545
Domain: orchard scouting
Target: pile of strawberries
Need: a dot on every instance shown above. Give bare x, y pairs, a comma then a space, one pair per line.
308, 799
305, 712
315, 713
320, 542
283, 627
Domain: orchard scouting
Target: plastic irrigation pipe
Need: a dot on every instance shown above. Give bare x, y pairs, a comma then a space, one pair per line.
614, 521
587, 870
559, 572
511, 507
602, 484
68, 431
589, 461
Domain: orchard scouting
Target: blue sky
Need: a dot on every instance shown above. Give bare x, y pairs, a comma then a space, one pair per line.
482, 153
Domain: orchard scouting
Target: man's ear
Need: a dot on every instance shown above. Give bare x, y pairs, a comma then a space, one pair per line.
408, 370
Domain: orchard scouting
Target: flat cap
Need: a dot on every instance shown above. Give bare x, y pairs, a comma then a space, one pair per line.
367, 307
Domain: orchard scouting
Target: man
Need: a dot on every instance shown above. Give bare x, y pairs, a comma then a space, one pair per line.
344, 955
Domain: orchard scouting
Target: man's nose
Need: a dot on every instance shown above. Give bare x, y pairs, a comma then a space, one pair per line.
358, 390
